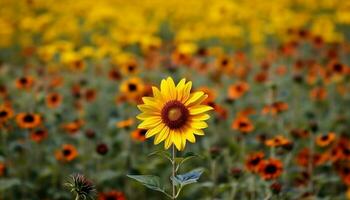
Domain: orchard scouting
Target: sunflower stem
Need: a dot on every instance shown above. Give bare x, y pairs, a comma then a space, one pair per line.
173, 172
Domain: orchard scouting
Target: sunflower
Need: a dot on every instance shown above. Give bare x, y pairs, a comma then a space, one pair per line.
325, 140
174, 115
112, 195
66, 153
38, 135
270, 169
53, 100
28, 120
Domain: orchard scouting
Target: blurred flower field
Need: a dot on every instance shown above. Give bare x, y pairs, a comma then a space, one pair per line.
100, 88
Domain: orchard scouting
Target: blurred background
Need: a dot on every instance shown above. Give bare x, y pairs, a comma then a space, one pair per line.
276, 72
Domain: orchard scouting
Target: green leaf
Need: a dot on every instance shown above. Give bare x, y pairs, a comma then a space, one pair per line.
188, 178
150, 181
9, 183
188, 156
161, 153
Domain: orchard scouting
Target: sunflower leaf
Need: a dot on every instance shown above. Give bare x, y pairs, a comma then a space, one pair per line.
150, 181
188, 178
161, 153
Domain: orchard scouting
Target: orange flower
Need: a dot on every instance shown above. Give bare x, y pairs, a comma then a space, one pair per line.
275, 108
253, 161
125, 123
111, 195
270, 169
318, 94
129, 68
38, 135
325, 140
25, 82
242, 124
114, 74
28, 120
277, 141
237, 90
224, 65
66, 153
6, 113
53, 100
74, 126
139, 135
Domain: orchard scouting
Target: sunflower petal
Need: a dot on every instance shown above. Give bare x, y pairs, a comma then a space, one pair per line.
199, 125
198, 109
194, 97
169, 140
180, 89
200, 117
177, 140
150, 123
186, 91
198, 132
155, 130
146, 115
161, 136
190, 137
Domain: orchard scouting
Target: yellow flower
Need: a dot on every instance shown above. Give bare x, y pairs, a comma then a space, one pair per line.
174, 115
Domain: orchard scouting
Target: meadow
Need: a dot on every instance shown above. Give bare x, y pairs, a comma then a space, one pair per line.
248, 100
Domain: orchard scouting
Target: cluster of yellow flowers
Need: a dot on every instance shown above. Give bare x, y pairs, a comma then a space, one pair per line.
84, 28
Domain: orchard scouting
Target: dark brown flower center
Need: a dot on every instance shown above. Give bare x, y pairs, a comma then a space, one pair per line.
3, 114
174, 114
66, 152
28, 118
255, 161
132, 87
270, 169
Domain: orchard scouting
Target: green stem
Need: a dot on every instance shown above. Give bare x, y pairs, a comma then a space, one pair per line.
173, 172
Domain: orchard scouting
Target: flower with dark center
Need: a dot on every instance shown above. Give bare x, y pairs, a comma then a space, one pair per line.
102, 149
28, 120
270, 169
174, 115
82, 187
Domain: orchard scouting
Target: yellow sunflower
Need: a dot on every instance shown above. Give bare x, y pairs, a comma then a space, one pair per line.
174, 114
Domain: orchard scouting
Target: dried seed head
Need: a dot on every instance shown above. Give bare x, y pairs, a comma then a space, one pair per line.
81, 186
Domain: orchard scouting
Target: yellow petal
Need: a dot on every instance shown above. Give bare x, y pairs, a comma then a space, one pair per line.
169, 140
198, 132
198, 109
164, 90
151, 101
172, 88
190, 137
150, 123
186, 91
148, 108
200, 117
194, 97
180, 89
199, 125
157, 94
146, 115
177, 140
161, 136
183, 141
155, 130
